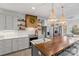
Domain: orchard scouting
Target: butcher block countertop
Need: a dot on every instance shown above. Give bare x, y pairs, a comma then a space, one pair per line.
55, 45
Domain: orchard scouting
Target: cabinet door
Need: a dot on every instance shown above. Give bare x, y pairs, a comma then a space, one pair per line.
14, 44
9, 22
27, 42
1, 48
7, 46
23, 43
15, 22
2, 22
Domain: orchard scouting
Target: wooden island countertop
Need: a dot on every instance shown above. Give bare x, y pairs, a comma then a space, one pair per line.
55, 45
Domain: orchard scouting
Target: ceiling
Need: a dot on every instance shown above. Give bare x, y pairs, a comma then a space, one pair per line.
43, 9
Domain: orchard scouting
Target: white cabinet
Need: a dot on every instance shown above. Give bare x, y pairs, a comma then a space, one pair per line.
27, 42
15, 22
6, 22
14, 44
11, 45
1, 48
5, 46
2, 22
9, 22
23, 43
20, 43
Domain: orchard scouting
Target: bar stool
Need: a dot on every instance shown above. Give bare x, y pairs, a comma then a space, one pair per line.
65, 53
77, 42
73, 49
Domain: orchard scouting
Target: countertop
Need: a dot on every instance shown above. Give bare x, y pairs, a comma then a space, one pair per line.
9, 34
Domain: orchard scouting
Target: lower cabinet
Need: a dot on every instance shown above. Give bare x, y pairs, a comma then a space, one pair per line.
1, 47
11, 45
14, 44
5, 46
20, 43
23, 43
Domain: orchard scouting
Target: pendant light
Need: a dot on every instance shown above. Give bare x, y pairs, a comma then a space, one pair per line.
63, 20
52, 18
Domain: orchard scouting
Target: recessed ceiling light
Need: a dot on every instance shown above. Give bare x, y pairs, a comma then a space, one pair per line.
33, 8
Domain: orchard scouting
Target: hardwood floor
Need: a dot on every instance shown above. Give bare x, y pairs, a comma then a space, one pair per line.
25, 52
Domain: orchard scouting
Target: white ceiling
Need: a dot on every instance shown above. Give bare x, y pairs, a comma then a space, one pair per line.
43, 9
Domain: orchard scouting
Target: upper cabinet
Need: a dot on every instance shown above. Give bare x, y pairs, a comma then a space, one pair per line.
9, 22
15, 27
6, 22
2, 22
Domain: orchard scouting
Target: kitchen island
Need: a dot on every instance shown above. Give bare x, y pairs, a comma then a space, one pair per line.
49, 47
